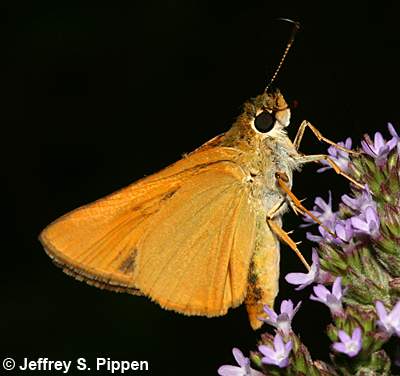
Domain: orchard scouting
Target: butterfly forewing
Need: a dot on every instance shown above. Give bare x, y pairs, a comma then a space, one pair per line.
183, 236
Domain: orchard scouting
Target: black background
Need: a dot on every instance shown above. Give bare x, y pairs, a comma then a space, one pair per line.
99, 94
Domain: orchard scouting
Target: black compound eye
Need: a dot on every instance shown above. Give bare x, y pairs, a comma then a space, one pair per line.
264, 122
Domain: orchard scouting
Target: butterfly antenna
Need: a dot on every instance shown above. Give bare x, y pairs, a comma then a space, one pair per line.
296, 28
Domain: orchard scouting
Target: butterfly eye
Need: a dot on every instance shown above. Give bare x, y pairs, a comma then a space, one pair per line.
264, 122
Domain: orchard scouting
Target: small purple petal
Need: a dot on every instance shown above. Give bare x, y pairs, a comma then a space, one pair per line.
371, 215
243, 370
388, 322
396, 310
269, 359
343, 336
340, 231
322, 169
287, 307
266, 350
315, 258
359, 224
305, 279
339, 347
278, 344
351, 202
380, 309
356, 335
296, 308
314, 238
321, 292
395, 137
392, 131
283, 363
272, 316
230, 371
367, 149
240, 358
379, 141
337, 288
288, 347
344, 231
313, 297
367, 222
297, 278
324, 206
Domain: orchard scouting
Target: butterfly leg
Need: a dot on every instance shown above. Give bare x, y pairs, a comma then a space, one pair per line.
300, 133
319, 157
282, 234
282, 182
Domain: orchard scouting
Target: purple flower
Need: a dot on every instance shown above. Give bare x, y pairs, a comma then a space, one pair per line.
243, 369
349, 346
361, 202
366, 223
340, 157
332, 300
395, 140
284, 319
322, 210
305, 279
325, 235
342, 228
379, 149
344, 231
279, 355
389, 322
314, 238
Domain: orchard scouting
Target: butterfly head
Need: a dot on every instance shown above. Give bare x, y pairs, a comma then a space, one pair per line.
271, 110
265, 114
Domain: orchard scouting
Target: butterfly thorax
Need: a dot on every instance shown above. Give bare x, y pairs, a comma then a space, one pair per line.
262, 156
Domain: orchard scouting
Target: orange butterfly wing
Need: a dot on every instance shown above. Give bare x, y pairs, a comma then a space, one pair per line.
183, 236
